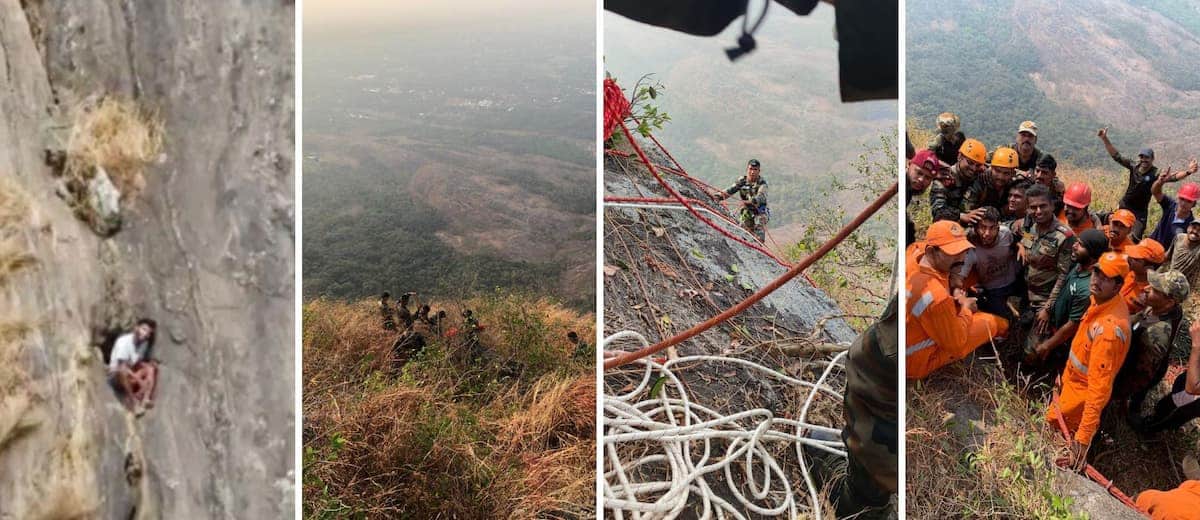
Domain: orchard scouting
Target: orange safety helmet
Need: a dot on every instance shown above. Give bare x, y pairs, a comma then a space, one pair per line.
974, 150
1078, 195
1005, 157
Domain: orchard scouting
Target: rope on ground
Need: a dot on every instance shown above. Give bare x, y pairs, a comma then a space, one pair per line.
669, 439
1089, 470
763, 292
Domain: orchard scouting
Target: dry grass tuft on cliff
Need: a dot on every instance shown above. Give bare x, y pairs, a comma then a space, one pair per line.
14, 207
117, 135
436, 436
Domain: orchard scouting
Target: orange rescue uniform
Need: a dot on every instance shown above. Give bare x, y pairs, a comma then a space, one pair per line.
1087, 223
1097, 352
939, 332
1119, 248
1181, 503
1130, 291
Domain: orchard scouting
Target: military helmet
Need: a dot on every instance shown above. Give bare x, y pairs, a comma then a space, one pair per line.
947, 123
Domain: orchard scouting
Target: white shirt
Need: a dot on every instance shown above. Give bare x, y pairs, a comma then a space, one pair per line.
125, 350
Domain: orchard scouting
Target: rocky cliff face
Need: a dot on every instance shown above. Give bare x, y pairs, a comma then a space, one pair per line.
207, 249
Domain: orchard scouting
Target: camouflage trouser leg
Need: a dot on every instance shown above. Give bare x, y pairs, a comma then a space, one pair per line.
860, 494
871, 408
755, 223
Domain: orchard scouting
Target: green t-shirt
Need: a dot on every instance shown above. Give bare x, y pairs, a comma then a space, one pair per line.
1074, 298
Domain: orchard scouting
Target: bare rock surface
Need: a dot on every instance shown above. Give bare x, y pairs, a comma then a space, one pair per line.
207, 249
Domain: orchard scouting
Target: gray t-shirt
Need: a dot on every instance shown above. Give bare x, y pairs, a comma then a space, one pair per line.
995, 266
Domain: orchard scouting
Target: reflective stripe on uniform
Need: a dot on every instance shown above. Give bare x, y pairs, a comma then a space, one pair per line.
1121, 334
1082, 368
913, 349
919, 307
1095, 331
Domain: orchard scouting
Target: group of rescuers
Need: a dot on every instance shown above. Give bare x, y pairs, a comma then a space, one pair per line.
1013, 251
415, 327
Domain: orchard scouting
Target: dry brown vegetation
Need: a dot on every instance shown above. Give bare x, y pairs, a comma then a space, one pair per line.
435, 436
117, 135
14, 257
978, 448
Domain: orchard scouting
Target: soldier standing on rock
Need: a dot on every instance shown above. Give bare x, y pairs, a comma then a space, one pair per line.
752, 189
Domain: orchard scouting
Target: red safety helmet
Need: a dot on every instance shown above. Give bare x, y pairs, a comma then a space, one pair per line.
1079, 195
1190, 192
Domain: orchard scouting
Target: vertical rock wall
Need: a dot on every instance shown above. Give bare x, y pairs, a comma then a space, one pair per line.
207, 249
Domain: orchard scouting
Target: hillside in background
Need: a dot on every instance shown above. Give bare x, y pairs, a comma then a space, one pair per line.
1070, 66
780, 104
450, 162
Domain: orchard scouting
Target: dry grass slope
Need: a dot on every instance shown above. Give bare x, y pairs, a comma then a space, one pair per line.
441, 438
977, 448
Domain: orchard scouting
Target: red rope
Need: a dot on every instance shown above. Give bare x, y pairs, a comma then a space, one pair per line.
616, 107
682, 200
761, 293
1089, 470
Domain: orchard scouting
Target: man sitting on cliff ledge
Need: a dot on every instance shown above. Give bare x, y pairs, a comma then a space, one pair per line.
131, 370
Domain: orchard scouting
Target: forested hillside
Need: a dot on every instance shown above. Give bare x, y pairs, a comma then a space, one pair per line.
450, 179
1070, 66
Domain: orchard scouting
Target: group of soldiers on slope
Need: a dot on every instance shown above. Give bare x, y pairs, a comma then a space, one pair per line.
416, 328
1088, 295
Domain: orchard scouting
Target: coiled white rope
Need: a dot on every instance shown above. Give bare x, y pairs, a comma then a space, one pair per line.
636, 422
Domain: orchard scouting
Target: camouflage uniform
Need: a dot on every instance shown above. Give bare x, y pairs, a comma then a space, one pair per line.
983, 192
405, 315
582, 350
389, 316
472, 329
754, 220
870, 411
945, 147
947, 202
1149, 351
1049, 256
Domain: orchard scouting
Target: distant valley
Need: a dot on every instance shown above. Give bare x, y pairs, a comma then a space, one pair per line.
475, 173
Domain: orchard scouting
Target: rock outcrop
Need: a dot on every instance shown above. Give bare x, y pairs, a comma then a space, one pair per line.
207, 249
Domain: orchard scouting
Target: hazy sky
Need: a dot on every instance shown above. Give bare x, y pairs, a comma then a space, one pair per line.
337, 14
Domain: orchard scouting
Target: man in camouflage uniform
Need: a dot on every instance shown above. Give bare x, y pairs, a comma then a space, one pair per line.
402, 312
1154, 330
870, 411
947, 195
471, 328
1046, 246
582, 349
948, 140
989, 189
1142, 175
752, 189
387, 312
1026, 146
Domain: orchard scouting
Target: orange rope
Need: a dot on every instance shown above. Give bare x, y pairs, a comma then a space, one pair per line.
761, 293
1089, 470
